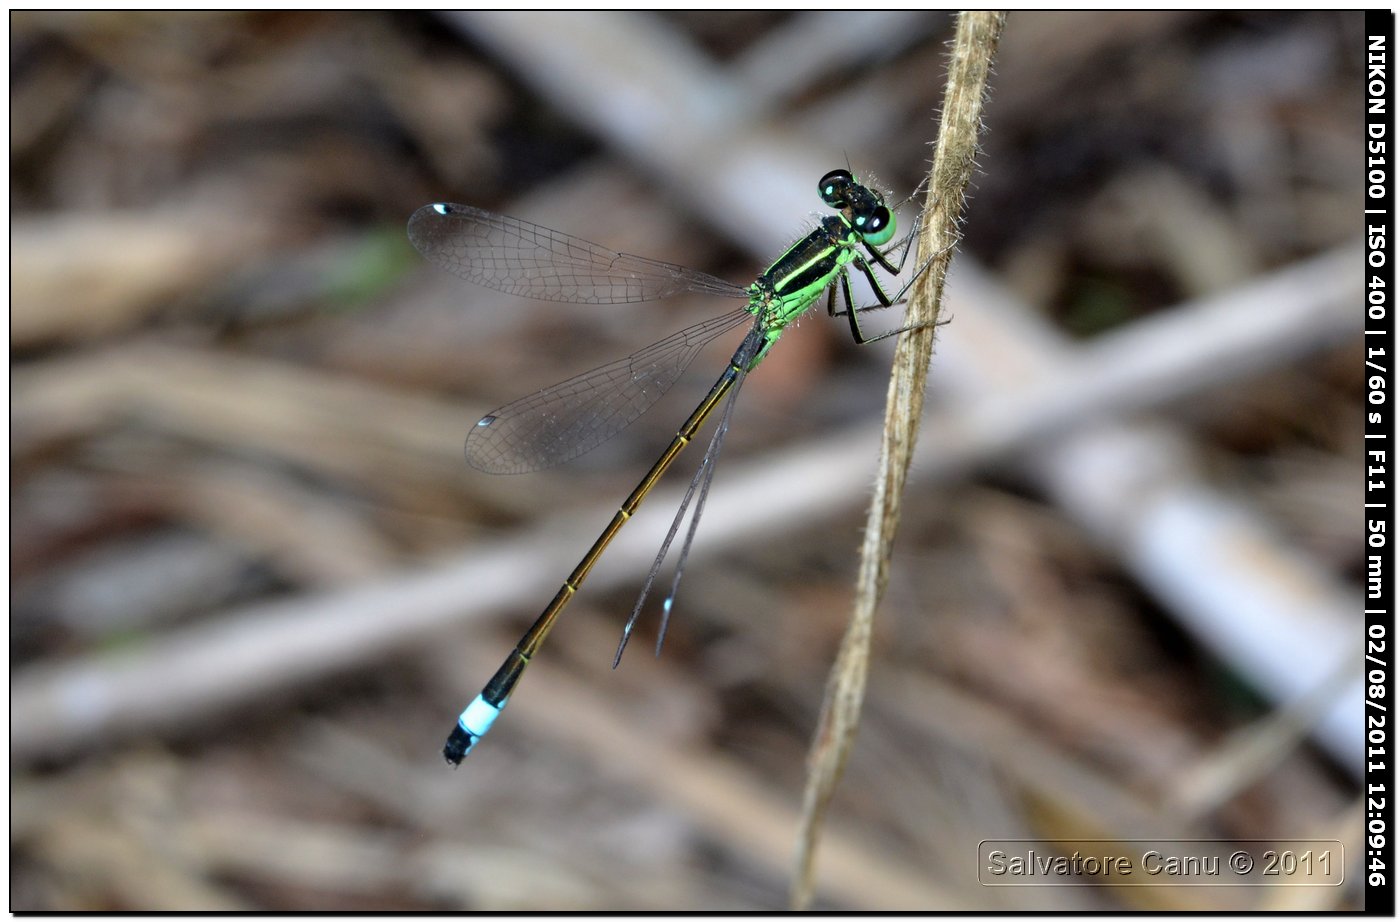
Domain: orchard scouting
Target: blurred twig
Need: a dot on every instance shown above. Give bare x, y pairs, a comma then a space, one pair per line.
974, 47
1007, 356
1255, 749
331, 486
90, 699
82, 277
615, 72
1218, 566
332, 424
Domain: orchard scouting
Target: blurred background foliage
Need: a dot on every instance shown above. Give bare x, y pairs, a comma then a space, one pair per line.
252, 581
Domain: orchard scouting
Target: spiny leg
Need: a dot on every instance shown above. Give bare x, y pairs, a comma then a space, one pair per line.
707, 466
880, 295
906, 242
738, 371
676, 523
851, 310
831, 310
665, 548
917, 191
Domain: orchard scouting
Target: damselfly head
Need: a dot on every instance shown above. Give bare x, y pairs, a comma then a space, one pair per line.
863, 207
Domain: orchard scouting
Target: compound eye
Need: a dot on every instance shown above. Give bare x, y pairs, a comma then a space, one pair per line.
833, 187
877, 226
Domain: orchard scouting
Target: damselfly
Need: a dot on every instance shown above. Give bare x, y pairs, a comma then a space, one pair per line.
570, 418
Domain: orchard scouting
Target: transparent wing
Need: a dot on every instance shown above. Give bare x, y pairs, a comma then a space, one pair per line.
578, 415
525, 259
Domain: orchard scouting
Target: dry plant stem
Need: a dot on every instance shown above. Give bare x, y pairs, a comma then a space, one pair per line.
973, 49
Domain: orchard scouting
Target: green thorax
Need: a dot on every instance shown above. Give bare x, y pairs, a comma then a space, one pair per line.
797, 278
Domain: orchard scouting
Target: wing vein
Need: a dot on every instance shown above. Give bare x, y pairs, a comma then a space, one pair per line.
532, 261
575, 416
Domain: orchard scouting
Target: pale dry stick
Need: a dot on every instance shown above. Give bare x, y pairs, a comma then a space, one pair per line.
356, 863
648, 92
1255, 749
974, 46
247, 654
1216, 565
780, 65
1348, 827
80, 277
108, 832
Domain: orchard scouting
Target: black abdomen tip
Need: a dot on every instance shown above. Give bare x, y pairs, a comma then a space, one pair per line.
458, 745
